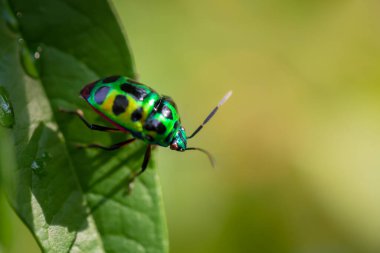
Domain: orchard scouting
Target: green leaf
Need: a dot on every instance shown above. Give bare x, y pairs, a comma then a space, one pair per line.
72, 200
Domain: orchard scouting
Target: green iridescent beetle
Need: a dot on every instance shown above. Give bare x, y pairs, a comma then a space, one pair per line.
135, 108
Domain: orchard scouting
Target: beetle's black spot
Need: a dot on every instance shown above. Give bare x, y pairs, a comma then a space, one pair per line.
101, 94
157, 105
119, 105
170, 101
161, 129
137, 114
137, 92
149, 138
166, 112
169, 137
155, 125
176, 125
111, 79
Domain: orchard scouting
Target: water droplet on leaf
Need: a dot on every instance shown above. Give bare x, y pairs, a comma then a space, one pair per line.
7, 117
39, 164
46, 155
38, 167
36, 55
29, 61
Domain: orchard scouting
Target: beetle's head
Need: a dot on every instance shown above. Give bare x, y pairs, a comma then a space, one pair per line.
179, 142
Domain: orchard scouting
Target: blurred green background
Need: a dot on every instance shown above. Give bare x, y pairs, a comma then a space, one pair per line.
298, 143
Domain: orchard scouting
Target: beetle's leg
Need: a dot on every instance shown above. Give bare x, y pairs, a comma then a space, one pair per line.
79, 113
143, 167
110, 148
146, 159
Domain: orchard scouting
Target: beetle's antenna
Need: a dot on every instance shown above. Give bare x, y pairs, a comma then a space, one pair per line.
212, 113
210, 157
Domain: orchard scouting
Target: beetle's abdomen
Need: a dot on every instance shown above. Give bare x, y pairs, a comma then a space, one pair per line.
122, 101
134, 107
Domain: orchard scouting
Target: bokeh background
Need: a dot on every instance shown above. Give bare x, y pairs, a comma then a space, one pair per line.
298, 143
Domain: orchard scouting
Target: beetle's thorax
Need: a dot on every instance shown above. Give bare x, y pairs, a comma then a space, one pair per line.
162, 123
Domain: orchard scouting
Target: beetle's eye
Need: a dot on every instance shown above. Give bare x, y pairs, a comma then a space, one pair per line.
174, 146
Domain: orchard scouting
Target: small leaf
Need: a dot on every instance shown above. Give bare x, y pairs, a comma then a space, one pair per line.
72, 200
